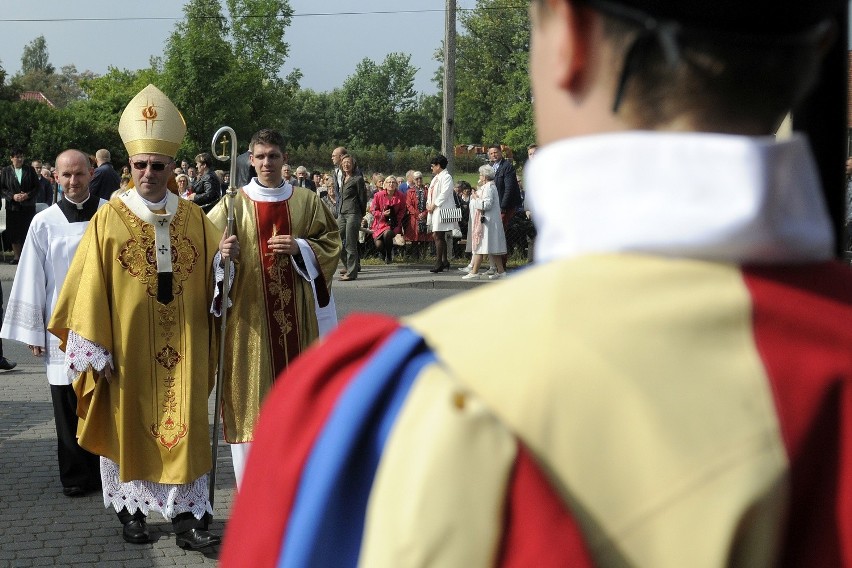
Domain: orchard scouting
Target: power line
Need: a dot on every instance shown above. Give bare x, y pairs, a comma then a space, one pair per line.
176, 18
294, 15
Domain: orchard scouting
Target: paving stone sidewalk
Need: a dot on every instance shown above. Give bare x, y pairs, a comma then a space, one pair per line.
41, 527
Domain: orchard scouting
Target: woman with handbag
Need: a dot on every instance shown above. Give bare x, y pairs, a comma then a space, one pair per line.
485, 230
444, 213
388, 211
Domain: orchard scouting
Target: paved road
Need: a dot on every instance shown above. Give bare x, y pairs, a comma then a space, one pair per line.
41, 527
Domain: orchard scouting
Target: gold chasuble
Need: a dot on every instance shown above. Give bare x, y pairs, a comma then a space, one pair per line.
152, 418
273, 318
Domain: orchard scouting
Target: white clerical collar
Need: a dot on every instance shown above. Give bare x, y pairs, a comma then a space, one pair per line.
258, 192
75, 204
694, 195
154, 205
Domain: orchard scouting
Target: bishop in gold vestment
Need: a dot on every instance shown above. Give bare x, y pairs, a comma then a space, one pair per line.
152, 420
134, 321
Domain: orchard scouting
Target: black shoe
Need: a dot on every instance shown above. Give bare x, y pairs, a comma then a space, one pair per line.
73, 491
13, 261
193, 539
437, 269
7, 365
136, 532
446, 265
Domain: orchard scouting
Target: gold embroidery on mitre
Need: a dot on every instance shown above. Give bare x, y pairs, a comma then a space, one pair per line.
149, 115
151, 124
138, 256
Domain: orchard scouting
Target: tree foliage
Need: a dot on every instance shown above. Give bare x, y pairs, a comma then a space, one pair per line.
35, 57
493, 96
38, 74
257, 29
222, 66
225, 72
378, 103
56, 130
7, 92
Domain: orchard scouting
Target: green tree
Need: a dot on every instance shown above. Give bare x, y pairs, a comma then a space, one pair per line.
37, 74
35, 57
57, 129
421, 126
113, 90
313, 118
257, 29
199, 75
493, 97
377, 100
226, 73
7, 92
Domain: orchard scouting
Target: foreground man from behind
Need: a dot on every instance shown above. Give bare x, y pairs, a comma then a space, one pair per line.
685, 396
133, 319
282, 286
51, 241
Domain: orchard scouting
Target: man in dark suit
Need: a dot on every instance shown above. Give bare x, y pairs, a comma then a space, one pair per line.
506, 180
337, 175
245, 171
302, 179
46, 193
207, 188
106, 180
19, 185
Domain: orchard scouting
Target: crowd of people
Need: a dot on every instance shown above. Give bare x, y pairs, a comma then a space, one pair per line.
389, 216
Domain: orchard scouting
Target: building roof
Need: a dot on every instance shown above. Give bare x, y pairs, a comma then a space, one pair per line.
36, 96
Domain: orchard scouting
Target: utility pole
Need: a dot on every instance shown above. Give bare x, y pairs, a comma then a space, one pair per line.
448, 127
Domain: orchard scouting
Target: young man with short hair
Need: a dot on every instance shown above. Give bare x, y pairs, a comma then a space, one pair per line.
282, 286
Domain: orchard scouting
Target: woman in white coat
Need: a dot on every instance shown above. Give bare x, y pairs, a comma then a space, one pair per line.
485, 229
440, 199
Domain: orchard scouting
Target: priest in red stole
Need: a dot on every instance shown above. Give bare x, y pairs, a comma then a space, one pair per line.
289, 247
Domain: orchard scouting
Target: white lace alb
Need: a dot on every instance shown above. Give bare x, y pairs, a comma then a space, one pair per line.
80, 354
146, 496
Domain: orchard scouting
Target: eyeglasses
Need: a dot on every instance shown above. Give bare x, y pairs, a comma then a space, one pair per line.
156, 166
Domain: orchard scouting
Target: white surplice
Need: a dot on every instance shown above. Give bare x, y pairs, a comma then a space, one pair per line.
46, 256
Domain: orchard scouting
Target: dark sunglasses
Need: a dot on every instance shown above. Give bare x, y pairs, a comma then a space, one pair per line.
156, 166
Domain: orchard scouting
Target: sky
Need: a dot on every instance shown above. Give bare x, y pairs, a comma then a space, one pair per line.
325, 47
